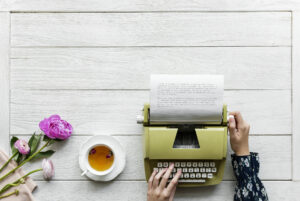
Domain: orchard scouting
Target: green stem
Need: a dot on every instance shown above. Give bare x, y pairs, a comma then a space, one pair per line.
18, 181
5, 164
25, 161
9, 194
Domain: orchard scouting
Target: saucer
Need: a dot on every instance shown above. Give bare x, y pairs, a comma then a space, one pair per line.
120, 157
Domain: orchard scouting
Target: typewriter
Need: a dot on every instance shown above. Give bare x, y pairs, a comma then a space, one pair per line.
199, 149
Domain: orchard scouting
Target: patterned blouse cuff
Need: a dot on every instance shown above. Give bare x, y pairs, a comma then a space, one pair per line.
245, 166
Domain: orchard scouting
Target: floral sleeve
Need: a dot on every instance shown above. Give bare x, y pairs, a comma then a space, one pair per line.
248, 187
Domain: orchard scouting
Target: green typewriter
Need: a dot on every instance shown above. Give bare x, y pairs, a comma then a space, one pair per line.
199, 149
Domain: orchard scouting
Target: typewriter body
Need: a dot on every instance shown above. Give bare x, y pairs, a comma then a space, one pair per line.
197, 149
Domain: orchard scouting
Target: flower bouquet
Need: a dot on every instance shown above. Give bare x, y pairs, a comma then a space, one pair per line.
54, 129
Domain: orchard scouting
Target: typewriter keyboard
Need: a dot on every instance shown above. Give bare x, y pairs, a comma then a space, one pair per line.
192, 172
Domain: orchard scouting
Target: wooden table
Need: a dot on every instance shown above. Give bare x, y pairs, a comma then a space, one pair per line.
90, 61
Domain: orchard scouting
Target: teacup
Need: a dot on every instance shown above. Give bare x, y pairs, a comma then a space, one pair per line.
99, 159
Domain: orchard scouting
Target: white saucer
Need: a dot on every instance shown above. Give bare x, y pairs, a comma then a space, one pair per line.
119, 153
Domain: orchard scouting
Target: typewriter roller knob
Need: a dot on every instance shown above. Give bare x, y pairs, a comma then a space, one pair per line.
139, 119
229, 117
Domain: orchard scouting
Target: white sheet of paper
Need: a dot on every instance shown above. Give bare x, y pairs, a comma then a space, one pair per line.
186, 98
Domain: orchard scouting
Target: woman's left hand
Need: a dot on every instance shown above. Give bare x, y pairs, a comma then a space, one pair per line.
158, 189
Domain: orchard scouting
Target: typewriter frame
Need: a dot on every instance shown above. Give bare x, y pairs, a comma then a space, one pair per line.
158, 142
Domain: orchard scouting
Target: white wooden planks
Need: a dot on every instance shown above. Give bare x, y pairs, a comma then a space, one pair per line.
151, 29
130, 68
148, 5
4, 79
47, 74
114, 112
296, 96
129, 191
274, 152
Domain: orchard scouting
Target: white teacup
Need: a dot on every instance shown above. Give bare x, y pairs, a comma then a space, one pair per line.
90, 169
117, 165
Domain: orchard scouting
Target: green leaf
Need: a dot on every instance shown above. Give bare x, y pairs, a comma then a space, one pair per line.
19, 158
16, 156
14, 150
34, 143
12, 142
46, 139
44, 154
31, 139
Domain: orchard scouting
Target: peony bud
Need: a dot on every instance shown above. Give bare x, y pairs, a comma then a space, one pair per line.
48, 169
22, 146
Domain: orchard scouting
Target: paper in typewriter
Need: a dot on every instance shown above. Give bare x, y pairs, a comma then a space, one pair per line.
186, 98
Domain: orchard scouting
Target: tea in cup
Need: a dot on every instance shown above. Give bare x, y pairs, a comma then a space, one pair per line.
100, 160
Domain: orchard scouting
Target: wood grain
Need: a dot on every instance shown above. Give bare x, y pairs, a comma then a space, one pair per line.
130, 68
114, 112
4, 79
147, 5
117, 191
93, 69
296, 96
274, 152
151, 29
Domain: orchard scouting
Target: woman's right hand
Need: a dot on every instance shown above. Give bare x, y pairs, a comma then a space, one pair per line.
158, 189
239, 133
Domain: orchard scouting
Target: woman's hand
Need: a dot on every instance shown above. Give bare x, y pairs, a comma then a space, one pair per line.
158, 190
239, 132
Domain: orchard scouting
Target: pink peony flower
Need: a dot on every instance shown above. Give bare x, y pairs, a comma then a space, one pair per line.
48, 169
22, 146
56, 128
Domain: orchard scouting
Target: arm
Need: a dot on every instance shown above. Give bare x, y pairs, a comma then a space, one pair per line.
245, 164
